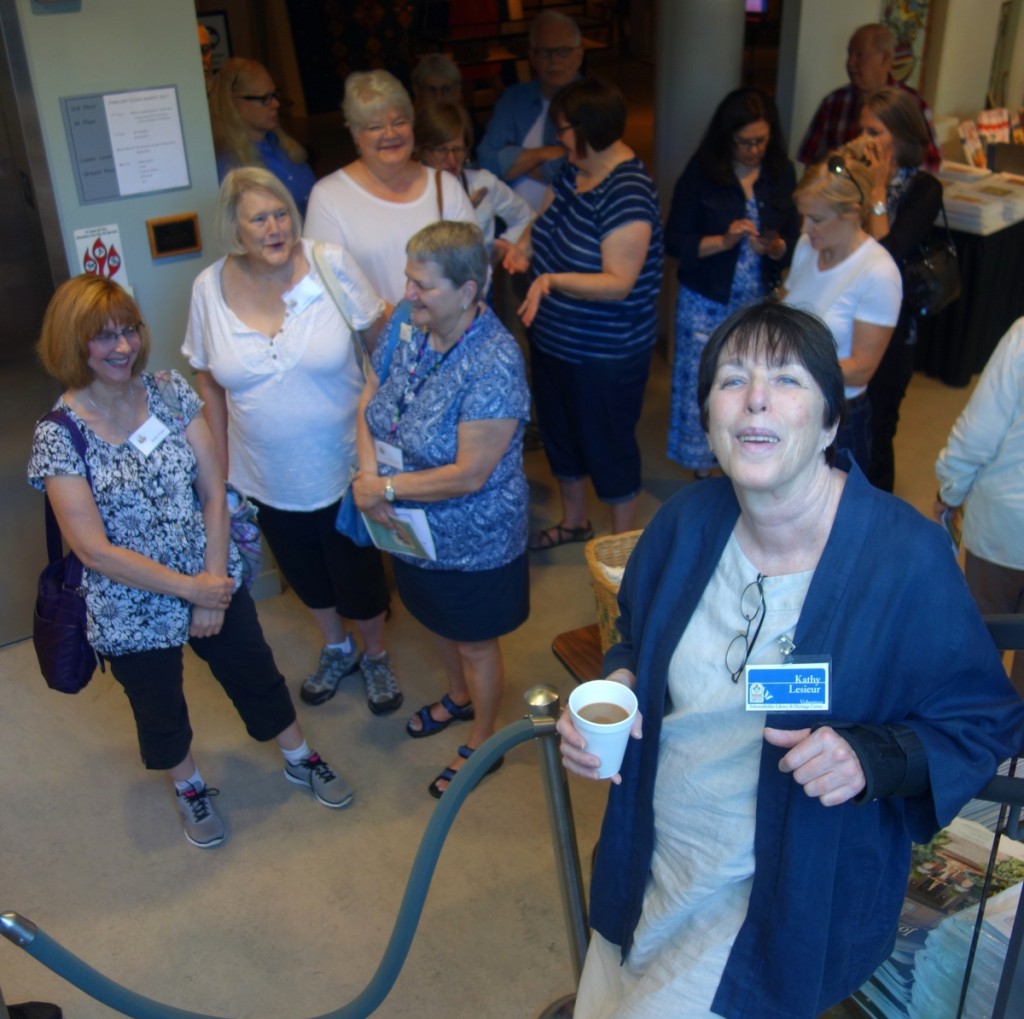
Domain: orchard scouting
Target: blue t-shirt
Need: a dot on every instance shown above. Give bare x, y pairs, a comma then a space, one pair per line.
567, 238
298, 178
481, 378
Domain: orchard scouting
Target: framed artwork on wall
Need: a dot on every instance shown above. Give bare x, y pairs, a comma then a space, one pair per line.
216, 23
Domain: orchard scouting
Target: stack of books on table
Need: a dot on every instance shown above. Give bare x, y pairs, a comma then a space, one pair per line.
983, 203
923, 976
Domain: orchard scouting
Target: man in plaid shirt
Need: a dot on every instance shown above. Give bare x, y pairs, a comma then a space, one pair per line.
869, 57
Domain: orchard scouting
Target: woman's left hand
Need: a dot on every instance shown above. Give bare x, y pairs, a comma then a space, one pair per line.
369, 495
821, 761
205, 622
539, 289
878, 162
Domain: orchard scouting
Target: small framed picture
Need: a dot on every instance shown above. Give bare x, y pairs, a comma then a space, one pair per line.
216, 23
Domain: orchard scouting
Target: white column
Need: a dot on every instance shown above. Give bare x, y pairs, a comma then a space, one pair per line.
699, 59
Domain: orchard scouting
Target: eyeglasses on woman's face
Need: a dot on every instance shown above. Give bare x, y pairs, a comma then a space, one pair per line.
108, 337
265, 99
837, 165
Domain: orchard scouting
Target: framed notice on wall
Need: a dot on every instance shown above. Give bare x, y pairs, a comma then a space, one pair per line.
124, 144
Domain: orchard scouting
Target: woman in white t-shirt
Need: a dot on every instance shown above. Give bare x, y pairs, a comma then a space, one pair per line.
375, 204
843, 275
280, 378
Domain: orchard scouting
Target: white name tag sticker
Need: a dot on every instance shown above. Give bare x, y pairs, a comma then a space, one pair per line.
792, 686
388, 455
405, 332
302, 295
149, 435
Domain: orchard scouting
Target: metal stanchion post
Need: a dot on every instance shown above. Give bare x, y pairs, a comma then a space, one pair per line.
542, 702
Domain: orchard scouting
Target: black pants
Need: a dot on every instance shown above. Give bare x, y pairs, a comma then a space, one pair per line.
887, 388
240, 661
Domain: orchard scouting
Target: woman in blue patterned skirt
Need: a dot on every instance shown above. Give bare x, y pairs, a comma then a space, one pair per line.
732, 225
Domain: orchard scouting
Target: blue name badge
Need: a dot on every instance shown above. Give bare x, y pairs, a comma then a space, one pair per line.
792, 686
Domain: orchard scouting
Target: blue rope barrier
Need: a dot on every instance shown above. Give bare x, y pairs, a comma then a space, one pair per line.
67, 965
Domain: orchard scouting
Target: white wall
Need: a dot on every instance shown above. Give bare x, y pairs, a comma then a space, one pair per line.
112, 45
812, 56
959, 58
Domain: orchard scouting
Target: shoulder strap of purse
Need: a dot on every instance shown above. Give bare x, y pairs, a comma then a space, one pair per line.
54, 542
402, 316
330, 281
440, 195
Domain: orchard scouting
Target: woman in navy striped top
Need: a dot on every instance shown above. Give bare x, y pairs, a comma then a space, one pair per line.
592, 309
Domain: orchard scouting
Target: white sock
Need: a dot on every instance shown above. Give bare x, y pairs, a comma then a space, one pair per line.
196, 781
297, 755
344, 647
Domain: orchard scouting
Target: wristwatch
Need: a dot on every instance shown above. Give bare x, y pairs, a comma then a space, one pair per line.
879, 209
389, 491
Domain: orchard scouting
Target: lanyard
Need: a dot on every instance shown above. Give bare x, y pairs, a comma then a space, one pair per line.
416, 381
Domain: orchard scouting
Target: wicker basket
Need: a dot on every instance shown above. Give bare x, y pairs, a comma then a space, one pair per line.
612, 550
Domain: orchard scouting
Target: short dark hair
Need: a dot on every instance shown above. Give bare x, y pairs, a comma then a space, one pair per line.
739, 109
596, 111
899, 111
438, 123
76, 314
782, 334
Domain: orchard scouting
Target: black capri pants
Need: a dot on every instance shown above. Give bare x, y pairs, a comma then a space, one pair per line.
325, 569
240, 660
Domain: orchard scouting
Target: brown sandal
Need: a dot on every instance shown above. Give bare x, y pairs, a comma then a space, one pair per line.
552, 537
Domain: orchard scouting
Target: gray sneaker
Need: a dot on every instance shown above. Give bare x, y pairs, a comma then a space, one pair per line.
315, 774
334, 665
203, 826
383, 693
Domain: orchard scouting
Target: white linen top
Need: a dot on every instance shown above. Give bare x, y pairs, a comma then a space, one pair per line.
291, 397
864, 287
704, 799
375, 231
498, 200
983, 461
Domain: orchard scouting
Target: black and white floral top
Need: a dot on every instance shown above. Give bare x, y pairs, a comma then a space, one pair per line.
148, 504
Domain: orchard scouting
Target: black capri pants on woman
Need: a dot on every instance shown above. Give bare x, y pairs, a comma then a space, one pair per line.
240, 660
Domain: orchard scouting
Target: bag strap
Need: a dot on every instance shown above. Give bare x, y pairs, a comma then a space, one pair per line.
402, 316
440, 194
54, 539
330, 281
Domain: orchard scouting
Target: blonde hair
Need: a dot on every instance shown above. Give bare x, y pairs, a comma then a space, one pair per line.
369, 93
230, 133
77, 313
839, 190
236, 183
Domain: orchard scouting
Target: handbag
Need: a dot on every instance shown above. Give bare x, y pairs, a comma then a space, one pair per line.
931, 280
66, 659
242, 526
349, 520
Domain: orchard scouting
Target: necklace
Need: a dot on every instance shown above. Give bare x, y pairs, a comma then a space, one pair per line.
106, 414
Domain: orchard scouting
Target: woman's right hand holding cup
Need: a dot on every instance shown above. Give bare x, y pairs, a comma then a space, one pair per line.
575, 757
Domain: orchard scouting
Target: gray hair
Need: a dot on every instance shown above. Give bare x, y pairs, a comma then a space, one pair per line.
369, 93
456, 248
549, 17
880, 35
438, 65
235, 185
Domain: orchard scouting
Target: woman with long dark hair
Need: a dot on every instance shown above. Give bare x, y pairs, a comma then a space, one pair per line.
732, 225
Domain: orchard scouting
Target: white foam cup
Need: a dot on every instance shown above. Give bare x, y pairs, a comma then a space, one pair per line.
605, 740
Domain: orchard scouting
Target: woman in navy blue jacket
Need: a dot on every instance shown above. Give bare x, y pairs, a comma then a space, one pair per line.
756, 845
732, 225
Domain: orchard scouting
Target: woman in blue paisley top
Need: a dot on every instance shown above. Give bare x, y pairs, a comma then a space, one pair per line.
442, 431
152, 531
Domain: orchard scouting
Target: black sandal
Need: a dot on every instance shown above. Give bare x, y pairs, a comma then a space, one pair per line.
552, 537
430, 725
449, 773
